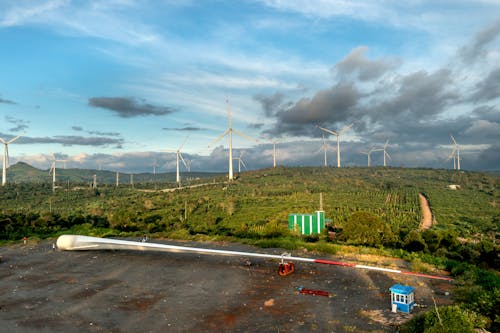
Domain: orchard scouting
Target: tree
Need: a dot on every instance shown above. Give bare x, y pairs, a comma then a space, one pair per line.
365, 228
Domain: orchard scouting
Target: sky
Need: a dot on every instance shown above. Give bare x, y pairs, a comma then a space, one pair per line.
121, 85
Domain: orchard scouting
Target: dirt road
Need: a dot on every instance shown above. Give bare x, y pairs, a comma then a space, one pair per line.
45, 290
427, 217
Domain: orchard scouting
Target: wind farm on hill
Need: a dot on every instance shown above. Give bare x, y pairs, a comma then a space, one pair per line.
455, 153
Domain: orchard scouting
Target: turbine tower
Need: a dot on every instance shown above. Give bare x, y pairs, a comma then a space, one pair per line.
337, 134
274, 153
179, 158
386, 154
455, 153
230, 131
325, 147
368, 153
6, 157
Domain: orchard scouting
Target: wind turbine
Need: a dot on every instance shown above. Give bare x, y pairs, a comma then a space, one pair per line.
179, 158
386, 154
455, 153
53, 171
240, 162
6, 157
230, 131
337, 134
368, 153
325, 147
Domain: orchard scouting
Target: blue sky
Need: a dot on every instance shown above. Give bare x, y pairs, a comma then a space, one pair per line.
122, 83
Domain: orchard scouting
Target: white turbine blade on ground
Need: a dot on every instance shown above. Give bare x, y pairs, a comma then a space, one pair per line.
245, 136
218, 138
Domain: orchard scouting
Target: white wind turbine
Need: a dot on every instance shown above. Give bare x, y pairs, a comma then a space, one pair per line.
6, 157
368, 153
230, 131
179, 158
325, 147
337, 134
386, 154
53, 171
240, 162
455, 154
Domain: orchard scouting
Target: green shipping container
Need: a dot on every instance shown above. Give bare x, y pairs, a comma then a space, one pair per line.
307, 224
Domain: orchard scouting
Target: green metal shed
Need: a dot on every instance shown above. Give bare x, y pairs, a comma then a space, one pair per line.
307, 224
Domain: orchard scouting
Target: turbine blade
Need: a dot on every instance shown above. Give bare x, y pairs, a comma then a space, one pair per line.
183, 143
453, 139
345, 128
244, 135
218, 138
327, 130
182, 159
3, 141
12, 140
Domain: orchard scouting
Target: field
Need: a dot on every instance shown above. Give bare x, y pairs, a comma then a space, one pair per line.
374, 217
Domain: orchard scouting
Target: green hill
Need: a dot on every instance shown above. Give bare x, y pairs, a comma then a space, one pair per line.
25, 173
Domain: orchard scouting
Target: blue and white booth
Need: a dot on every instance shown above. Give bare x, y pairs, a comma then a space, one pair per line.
402, 298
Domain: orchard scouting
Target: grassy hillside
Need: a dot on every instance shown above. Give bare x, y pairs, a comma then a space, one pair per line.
259, 197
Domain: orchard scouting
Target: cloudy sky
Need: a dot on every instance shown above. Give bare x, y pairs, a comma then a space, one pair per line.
121, 84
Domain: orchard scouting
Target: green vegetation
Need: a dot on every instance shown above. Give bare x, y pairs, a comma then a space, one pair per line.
376, 208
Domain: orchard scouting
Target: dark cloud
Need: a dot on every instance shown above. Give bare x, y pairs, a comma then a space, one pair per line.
6, 101
356, 65
128, 107
19, 124
256, 125
103, 133
477, 49
270, 104
489, 88
418, 95
71, 140
187, 129
327, 106
77, 128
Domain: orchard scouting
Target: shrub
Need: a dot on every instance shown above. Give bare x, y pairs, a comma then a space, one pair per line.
446, 319
365, 228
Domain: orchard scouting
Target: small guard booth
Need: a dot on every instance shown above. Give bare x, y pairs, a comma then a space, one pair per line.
307, 224
402, 298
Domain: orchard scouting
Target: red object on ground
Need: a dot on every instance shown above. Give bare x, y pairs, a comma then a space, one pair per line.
286, 268
313, 292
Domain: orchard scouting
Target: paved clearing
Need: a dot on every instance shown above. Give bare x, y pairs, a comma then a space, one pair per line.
42, 290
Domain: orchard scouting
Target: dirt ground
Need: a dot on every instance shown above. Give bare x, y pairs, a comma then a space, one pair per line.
427, 217
46, 290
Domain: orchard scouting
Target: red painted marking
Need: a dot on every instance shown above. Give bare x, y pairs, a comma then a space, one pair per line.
428, 276
329, 262
314, 292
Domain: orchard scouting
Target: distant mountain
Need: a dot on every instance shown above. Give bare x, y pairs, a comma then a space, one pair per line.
24, 173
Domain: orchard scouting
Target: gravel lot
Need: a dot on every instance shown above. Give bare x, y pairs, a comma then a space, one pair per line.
46, 290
